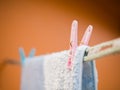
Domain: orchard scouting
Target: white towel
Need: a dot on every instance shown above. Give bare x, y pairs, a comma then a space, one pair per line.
50, 72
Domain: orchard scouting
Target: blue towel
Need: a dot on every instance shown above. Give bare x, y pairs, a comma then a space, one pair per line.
50, 72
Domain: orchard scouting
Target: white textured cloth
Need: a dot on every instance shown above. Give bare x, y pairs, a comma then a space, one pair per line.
50, 72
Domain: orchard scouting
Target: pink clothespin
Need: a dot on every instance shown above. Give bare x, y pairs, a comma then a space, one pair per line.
87, 35
73, 42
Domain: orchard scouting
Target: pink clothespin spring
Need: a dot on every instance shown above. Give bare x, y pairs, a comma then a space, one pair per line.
87, 35
73, 42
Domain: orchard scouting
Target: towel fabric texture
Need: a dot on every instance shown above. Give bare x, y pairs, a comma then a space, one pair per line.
50, 72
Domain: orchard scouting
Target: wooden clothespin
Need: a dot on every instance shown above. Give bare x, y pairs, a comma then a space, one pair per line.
73, 42
103, 49
22, 54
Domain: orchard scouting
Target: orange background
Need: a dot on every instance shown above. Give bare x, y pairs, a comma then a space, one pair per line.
45, 25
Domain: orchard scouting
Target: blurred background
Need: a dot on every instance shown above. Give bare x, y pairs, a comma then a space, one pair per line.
45, 26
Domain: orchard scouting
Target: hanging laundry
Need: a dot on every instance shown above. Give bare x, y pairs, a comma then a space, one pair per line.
50, 72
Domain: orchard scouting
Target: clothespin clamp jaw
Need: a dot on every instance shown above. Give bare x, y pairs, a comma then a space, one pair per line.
22, 54
32, 52
73, 42
86, 37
